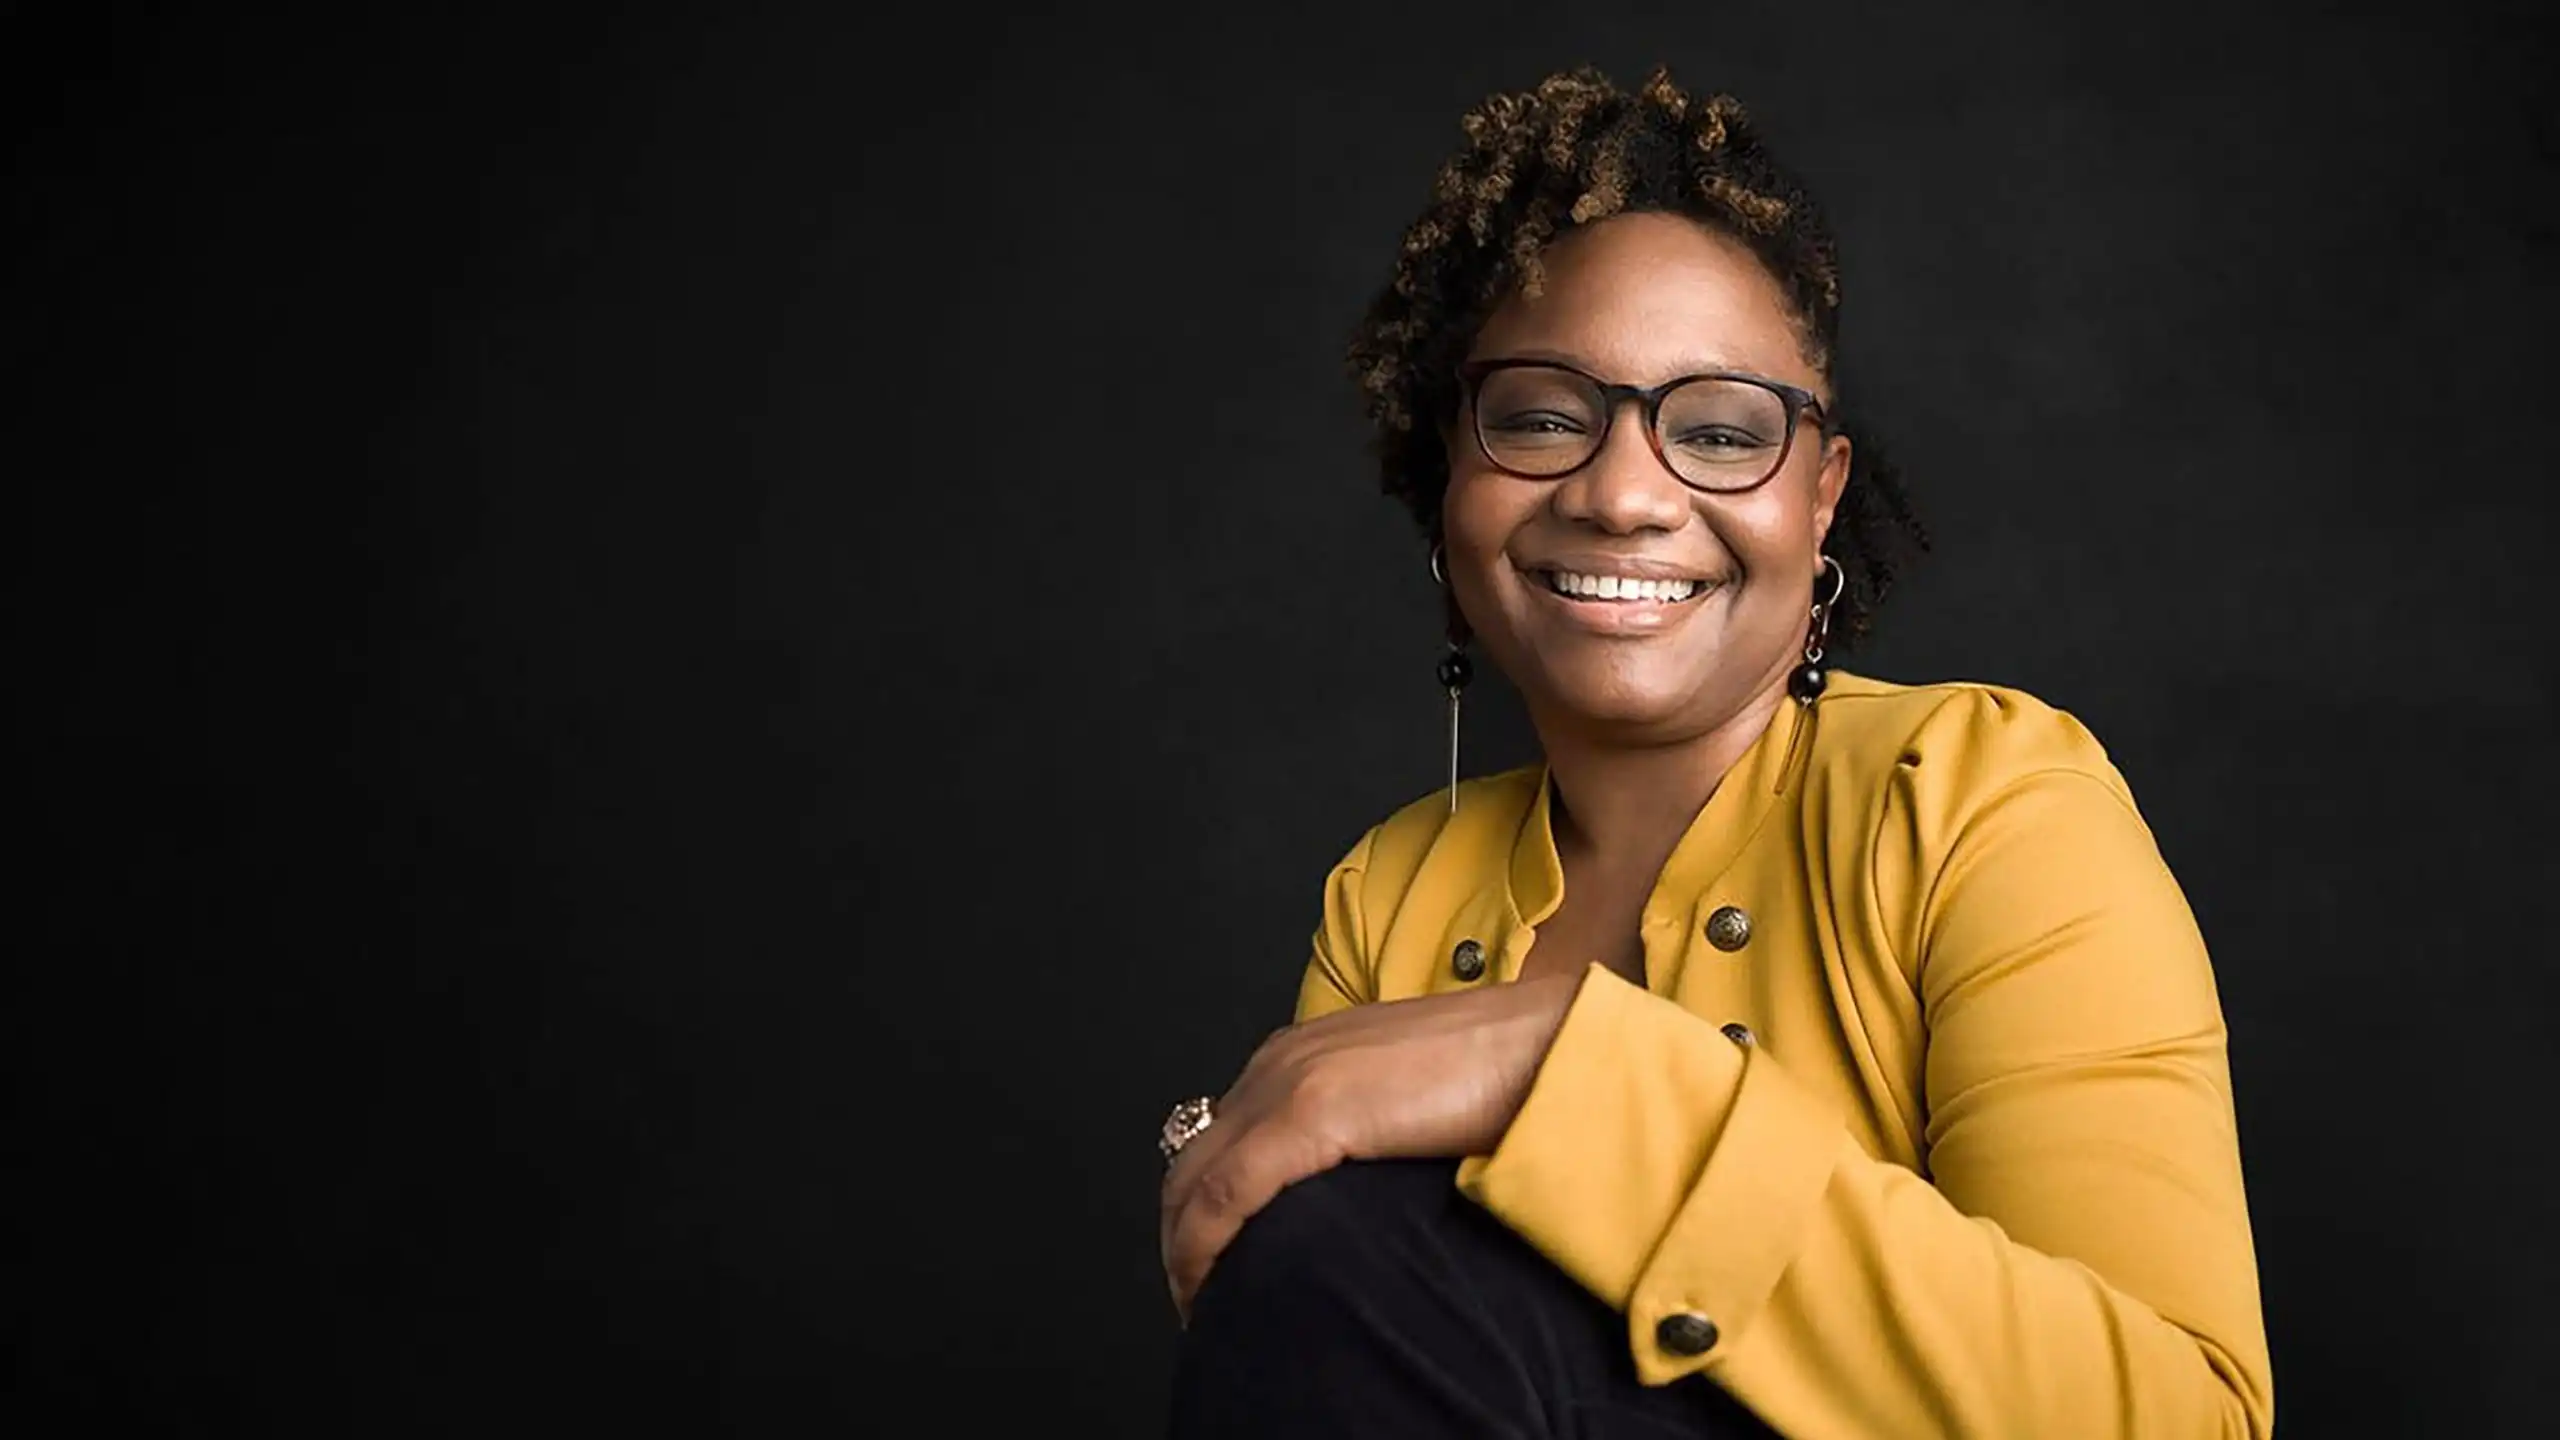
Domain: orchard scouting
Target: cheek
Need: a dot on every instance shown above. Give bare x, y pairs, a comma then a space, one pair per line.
1771, 530
1478, 513
1765, 539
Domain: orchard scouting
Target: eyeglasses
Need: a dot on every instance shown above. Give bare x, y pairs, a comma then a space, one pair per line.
1719, 432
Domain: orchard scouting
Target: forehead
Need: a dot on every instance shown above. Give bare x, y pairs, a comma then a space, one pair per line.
1643, 298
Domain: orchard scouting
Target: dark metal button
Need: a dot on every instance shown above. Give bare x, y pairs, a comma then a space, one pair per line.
1729, 928
1686, 1334
1467, 961
1739, 1033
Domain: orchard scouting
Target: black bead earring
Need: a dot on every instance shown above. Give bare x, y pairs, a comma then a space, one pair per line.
1807, 681
1455, 670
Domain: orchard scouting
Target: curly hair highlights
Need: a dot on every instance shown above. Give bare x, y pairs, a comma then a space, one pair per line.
1572, 151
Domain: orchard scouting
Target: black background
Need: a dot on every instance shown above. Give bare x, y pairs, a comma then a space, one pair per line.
674, 672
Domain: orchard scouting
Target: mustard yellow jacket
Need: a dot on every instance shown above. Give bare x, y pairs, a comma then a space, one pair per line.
1972, 1170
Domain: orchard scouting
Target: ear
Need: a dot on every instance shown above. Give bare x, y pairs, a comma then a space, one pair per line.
1830, 485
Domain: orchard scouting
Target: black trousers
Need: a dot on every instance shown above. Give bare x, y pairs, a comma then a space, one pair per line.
1376, 1300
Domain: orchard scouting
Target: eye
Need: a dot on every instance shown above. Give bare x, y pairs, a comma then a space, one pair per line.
1718, 438
1534, 422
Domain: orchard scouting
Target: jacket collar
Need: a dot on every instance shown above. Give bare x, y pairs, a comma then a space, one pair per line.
1723, 825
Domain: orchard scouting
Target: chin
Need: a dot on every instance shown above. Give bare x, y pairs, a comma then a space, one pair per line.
1621, 702
1641, 718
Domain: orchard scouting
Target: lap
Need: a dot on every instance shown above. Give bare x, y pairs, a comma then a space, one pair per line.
1376, 1299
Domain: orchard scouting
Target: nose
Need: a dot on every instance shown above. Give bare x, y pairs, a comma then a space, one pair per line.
1625, 487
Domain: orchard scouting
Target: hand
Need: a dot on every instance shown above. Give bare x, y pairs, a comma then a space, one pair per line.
1435, 1077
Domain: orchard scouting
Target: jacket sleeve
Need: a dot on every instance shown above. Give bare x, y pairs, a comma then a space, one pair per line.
2077, 1262
1337, 975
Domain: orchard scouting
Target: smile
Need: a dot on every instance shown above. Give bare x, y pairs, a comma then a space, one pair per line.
1618, 589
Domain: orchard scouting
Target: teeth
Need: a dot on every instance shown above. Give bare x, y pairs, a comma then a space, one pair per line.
1614, 587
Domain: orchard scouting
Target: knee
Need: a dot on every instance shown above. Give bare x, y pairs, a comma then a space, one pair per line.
1327, 1231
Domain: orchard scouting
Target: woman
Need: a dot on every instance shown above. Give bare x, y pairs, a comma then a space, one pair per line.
1789, 1051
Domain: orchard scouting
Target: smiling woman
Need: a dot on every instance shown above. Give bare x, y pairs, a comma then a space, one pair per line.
1787, 1051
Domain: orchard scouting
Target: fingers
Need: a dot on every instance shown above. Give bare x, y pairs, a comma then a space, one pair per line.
1203, 1216
1182, 1177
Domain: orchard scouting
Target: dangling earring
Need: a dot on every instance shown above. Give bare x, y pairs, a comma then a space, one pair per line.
1455, 671
1809, 678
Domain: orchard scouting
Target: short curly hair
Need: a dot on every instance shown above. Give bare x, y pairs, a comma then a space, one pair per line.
1574, 150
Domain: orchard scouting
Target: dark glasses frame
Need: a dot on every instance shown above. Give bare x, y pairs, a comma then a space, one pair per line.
1799, 403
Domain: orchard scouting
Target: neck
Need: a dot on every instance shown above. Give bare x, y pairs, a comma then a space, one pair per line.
1632, 803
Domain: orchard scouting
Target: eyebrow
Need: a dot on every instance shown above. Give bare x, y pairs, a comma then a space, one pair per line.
1696, 365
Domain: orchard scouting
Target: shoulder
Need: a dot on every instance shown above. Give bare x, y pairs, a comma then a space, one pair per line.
1954, 741
1488, 814
1976, 814
1485, 824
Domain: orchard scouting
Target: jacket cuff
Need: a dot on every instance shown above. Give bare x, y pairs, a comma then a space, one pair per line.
1616, 1132
1739, 1227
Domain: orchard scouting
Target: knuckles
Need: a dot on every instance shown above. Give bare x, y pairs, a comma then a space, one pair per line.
1277, 1050
1217, 1195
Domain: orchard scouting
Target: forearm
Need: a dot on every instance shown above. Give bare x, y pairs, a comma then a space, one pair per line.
1675, 1173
